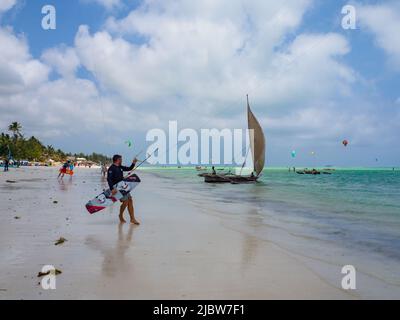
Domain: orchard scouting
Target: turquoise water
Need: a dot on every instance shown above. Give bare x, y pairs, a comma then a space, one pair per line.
357, 209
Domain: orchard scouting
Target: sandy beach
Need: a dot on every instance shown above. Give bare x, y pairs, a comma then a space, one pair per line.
179, 251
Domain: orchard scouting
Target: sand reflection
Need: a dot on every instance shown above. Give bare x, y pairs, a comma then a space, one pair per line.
114, 258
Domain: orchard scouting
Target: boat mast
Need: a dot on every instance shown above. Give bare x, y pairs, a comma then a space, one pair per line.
251, 136
244, 162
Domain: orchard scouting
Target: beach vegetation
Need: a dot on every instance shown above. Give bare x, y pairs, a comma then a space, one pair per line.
14, 145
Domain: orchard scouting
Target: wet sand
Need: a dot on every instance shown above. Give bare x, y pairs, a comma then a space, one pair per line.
180, 251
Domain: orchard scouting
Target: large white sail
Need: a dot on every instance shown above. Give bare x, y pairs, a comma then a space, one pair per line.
257, 140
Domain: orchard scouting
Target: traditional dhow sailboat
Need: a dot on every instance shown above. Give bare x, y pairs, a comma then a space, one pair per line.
257, 147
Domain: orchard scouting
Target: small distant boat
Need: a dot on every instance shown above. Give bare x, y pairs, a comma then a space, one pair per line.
313, 172
257, 147
200, 168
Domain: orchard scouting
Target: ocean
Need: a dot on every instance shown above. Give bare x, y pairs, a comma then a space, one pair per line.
349, 217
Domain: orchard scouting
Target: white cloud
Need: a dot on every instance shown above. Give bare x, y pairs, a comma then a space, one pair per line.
384, 22
67, 106
6, 5
197, 62
70, 107
18, 69
63, 59
108, 4
214, 50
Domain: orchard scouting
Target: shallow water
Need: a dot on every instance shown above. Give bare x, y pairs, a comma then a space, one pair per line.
351, 216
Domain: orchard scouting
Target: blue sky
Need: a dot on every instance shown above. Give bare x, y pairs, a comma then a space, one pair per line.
26, 18
109, 73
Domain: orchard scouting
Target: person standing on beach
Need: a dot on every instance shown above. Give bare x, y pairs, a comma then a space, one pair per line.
71, 169
6, 163
103, 169
115, 174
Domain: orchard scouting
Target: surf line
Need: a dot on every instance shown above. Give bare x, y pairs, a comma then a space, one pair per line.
165, 310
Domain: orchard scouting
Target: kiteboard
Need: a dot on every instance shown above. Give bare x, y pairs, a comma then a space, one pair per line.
106, 199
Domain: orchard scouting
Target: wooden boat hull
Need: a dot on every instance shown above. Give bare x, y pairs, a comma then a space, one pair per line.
243, 179
215, 178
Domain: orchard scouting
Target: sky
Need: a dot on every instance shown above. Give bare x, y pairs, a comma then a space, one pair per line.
114, 69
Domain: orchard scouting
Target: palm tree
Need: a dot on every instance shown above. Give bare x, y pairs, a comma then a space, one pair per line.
15, 128
50, 150
4, 144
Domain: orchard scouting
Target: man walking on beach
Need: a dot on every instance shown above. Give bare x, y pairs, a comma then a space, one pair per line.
63, 169
115, 174
103, 169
